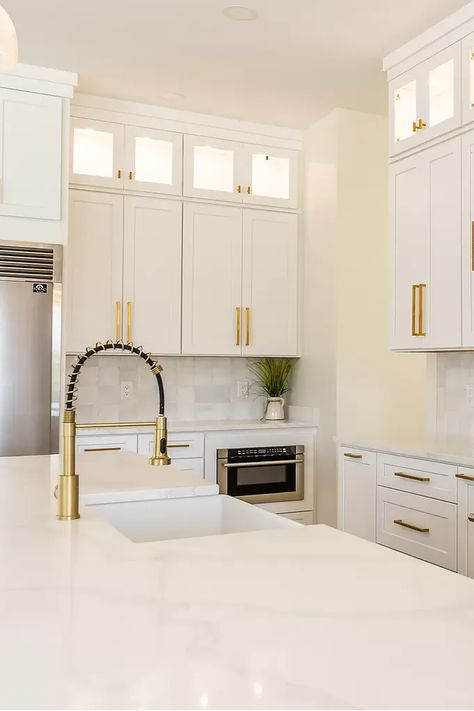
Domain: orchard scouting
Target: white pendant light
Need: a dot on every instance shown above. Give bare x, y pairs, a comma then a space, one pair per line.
8, 43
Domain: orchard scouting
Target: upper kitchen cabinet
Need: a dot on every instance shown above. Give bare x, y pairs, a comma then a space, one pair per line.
153, 160
30, 155
425, 216
468, 238
243, 173
111, 155
425, 101
468, 78
97, 151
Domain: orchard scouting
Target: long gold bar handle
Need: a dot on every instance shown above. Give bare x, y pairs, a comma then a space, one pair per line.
237, 318
353, 456
472, 246
118, 335
464, 476
247, 326
103, 449
399, 522
412, 476
129, 321
414, 289
421, 331
180, 446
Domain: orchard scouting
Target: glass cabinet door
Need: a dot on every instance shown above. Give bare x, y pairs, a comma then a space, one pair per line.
154, 160
468, 78
271, 176
441, 92
212, 168
404, 111
96, 153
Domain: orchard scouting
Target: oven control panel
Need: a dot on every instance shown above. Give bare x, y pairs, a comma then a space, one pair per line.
257, 454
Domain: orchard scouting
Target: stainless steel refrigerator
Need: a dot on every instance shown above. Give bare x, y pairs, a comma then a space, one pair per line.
30, 345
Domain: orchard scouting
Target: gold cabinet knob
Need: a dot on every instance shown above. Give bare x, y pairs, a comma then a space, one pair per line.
130, 175
239, 188
249, 190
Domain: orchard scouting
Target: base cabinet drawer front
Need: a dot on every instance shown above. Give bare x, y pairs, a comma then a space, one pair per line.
193, 466
303, 517
106, 443
418, 476
189, 445
417, 525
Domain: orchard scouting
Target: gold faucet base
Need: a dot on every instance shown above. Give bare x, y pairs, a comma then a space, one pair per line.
68, 497
68, 518
159, 461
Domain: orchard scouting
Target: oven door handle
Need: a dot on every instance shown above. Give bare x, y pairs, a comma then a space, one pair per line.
237, 465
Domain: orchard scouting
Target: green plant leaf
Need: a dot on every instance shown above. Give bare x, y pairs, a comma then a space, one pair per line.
272, 375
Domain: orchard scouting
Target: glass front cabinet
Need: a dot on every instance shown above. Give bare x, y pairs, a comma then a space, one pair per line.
425, 101
116, 156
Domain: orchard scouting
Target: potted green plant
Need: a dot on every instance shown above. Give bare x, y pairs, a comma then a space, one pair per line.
272, 379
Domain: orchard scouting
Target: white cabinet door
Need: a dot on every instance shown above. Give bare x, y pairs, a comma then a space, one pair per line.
467, 60
212, 280
152, 273
153, 160
468, 238
212, 169
270, 284
97, 153
270, 176
425, 102
106, 443
425, 193
357, 490
30, 155
466, 522
93, 285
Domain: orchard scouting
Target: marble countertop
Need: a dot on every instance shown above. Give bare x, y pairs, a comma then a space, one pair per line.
175, 426
451, 450
308, 617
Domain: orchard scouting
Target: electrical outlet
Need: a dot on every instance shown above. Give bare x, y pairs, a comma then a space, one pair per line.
126, 390
469, 395
243, 389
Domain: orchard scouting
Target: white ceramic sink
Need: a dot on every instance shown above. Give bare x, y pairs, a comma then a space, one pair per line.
160, 520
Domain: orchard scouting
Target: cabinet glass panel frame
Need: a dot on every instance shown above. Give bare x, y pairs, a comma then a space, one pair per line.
103, 176
228, 157
275, 187
151, 145
467, 69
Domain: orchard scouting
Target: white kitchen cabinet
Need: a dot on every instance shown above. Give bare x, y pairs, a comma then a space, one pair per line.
466, 521
467, 59
96, 153
106, 443
185, 449
425, 101
269, 286
212, 280
152, 273
30, 155
425, 216
240, 172
93, 285
417, 476
153, 160
212, 168
305, 518
357, 486
468, 238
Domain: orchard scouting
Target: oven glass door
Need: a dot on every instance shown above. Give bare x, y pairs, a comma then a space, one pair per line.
262, 478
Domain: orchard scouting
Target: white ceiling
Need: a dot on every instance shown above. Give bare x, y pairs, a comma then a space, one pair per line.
299, 59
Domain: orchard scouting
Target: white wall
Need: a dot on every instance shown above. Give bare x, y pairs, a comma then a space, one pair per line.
363, 391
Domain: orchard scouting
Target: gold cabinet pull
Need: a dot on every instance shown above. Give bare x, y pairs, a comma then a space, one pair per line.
414, 289
414, 127
353, 456
237, 319
472, 246
466, 477
421, 124
130, 175
103, 449
117, 321
119, 173
183, 446
239, 188
247, 326
411, 526
249, 190
471, 518
421, 332
129, 321
417, 329
412, 476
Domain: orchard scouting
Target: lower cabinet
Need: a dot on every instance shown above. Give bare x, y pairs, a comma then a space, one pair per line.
420, 526
466, 522
186, 450
303, 517
357, 490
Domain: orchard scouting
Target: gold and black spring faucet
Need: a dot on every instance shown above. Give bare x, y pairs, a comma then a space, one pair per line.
68, 484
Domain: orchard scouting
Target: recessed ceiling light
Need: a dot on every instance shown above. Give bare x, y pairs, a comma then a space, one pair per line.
240, 13
172, 96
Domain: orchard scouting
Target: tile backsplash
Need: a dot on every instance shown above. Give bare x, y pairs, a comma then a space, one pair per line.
195, 389
455, 394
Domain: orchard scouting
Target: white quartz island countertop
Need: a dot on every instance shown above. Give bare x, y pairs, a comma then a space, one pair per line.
307, 617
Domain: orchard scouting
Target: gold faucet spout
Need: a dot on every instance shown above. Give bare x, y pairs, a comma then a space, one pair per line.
68, 484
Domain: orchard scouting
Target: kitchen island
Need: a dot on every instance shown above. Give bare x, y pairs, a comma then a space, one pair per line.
307, 617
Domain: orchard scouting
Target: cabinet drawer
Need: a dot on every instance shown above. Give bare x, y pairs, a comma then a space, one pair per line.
180, 446
193, 466
417, 476
360, 456
417, 525
303, 517
104, 443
